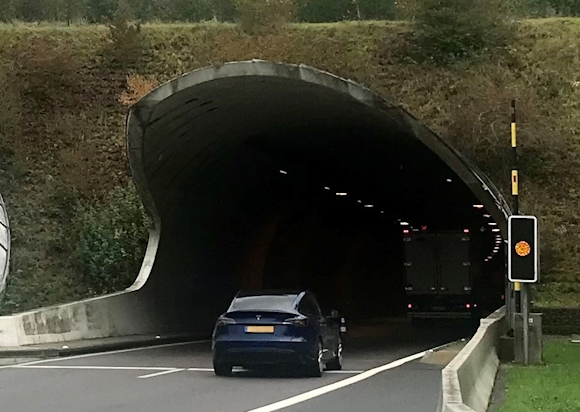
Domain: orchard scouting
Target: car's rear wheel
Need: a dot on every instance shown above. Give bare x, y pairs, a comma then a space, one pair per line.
336, 363
222, 369
316, 366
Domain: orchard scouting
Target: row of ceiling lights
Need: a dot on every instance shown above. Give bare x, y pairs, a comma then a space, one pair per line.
340, 194
497, 239
402, 223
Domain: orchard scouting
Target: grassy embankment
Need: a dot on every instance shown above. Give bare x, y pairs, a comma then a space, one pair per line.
552, 387
62, 124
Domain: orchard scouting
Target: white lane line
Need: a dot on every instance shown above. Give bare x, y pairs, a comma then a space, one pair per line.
96, 368
345, 372
114, 352
152, 375
337, 385
200, 369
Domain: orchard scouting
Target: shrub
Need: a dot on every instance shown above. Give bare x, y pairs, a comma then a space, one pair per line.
125, 45
264, 16
448, 30
112, 239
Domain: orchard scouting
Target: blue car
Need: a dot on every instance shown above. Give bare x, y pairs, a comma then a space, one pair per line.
277, 327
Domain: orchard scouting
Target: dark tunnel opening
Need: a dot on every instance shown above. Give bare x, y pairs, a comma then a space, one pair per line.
273, 181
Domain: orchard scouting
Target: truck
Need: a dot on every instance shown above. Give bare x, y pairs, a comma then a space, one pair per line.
439, 274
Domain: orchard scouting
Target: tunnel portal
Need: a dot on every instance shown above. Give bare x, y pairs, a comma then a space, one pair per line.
262, 175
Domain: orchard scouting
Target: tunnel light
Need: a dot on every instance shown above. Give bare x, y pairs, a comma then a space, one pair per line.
448, 180
492, 224
478, 206
369, 206
326, 188
359, 201
495, 230
486, 260
404, 224
382, 211
487, 216
415, 230
284, 172
341, 194
475, 305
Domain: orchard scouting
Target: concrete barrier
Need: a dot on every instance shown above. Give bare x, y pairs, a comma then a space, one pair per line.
469, 378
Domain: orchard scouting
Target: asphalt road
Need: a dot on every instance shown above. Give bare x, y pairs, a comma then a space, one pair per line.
179, 377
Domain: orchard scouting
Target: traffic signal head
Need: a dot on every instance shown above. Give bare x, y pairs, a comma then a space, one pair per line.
523, 249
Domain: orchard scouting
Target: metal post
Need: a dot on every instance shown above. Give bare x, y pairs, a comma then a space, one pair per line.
515, 192
525, 319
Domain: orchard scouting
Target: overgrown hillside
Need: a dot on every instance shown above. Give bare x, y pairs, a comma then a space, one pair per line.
64, 99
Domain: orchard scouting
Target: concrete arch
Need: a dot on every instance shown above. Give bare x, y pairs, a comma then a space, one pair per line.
161, 104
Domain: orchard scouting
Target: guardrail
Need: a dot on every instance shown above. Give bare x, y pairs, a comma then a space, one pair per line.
4, 246
469, 378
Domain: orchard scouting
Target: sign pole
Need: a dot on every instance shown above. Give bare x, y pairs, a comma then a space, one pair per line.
522, 287
515, 301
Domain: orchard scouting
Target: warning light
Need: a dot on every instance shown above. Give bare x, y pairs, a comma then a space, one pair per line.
523, 248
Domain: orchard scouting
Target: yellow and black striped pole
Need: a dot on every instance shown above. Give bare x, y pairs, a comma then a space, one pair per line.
515, 190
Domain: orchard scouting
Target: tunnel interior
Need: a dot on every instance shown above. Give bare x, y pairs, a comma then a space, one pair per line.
276, 182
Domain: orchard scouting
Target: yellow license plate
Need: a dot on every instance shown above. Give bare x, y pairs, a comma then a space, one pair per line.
260, 329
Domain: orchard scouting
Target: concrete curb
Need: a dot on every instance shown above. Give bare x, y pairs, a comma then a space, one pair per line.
93, 346
468, 380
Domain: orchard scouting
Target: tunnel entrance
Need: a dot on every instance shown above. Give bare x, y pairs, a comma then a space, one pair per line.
261, 175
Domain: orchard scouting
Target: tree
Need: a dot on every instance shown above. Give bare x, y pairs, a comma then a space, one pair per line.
453, 29
101, 11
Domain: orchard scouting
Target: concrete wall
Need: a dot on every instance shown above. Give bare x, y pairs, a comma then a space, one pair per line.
469, 378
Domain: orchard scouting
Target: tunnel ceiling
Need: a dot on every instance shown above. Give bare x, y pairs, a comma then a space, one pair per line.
214, 123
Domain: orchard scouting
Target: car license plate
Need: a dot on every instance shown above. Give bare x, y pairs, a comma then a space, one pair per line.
259, 329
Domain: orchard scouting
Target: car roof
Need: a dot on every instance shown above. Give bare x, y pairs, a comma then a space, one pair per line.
268, 292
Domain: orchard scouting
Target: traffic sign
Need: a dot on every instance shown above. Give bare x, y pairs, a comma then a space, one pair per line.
523, 249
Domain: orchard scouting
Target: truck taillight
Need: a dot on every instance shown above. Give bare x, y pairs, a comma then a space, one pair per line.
465, 230
468, 306
410, 306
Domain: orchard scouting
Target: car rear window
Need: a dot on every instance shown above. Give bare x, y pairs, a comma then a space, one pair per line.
263, 302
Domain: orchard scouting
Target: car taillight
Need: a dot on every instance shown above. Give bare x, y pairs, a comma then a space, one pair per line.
298, 321
222, 320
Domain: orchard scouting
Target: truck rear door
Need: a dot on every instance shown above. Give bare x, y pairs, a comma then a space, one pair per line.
421, 263
454, 265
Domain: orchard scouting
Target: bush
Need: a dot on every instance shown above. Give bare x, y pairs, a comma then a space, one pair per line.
448, 30
112, 240
125, 46
264, 16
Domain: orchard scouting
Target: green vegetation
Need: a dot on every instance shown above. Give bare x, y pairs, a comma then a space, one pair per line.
112, 240
549, 388
64, 104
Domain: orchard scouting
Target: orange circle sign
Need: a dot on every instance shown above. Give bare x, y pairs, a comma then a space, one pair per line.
523, 248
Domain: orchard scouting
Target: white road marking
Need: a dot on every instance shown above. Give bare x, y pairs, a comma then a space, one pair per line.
96, 368
345, 372
88, 355
152, 375
337, 385
200, 369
